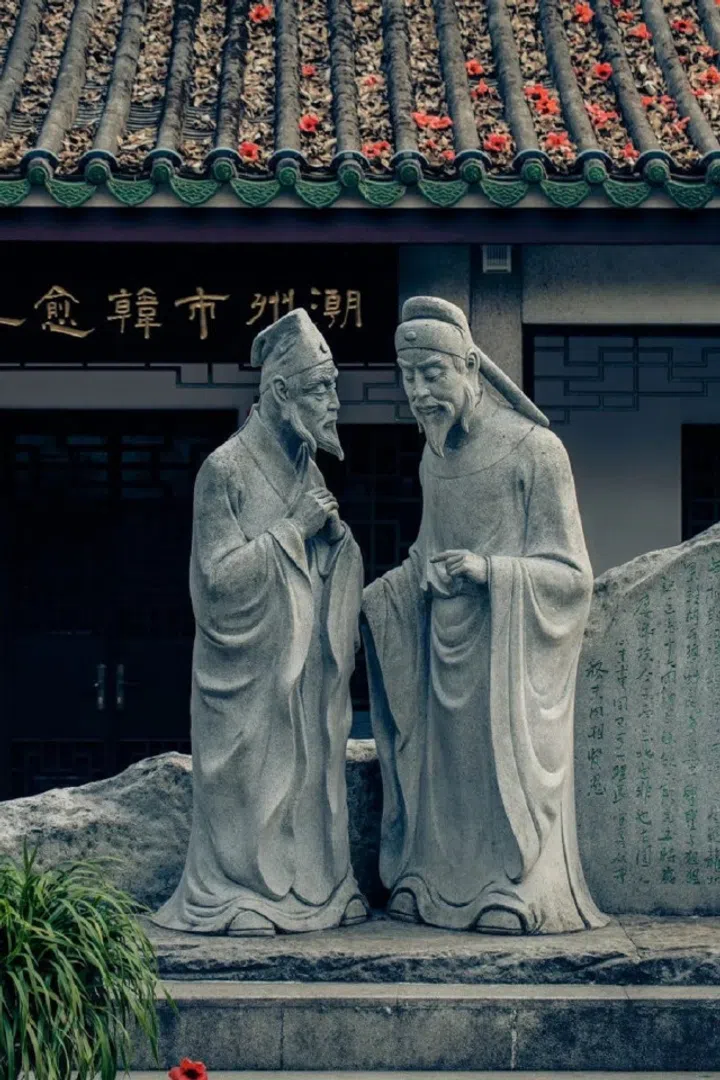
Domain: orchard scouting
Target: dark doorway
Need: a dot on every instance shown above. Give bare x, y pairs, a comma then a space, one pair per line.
700, 478
378, 488
97, 628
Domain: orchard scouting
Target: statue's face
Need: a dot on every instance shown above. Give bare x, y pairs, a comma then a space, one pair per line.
312, 407
439, 392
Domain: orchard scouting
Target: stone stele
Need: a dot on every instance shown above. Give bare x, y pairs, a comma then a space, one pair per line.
647, 729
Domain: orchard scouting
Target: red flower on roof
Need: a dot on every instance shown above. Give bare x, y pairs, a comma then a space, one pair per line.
626, 16
309, 123
497, 142
667, 101
584, 13
439, 123
700, 93
375, 149
371, 80
260, 13
618, 3
536, 92
629, 152
309, 70
421, 119
600, 117
711, 76
683, 26
249, 150
557, 140
679, 126
641, 32
480, 89
706, 51
430, 144
547, 107
647, 100
603, 71
449, 155
188, 1070
474, 67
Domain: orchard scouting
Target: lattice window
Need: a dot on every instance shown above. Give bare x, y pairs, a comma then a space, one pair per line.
581, 373
36, 765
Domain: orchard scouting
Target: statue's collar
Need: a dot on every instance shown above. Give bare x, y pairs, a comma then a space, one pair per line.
267, 450
496, 431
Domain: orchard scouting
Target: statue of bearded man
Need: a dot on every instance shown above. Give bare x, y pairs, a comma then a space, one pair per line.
276, 585
472, 646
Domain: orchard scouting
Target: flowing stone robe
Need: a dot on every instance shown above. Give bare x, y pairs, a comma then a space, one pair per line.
276, 635
472, 694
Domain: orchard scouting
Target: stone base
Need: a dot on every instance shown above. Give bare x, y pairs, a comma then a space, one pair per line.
632, 950
325, 1026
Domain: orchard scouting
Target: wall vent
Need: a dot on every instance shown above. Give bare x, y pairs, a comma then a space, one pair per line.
496, 258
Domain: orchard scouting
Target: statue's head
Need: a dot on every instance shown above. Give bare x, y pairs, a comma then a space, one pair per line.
299, 380
440, 367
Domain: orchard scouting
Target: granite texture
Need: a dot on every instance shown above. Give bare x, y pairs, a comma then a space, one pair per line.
553, 1029
647, 737
472, 647
141, 819
629, 951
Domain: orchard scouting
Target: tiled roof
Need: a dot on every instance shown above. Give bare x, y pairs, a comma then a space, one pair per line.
370, 96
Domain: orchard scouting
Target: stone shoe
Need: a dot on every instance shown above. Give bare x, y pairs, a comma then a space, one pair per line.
403, 905
250, 924
355, 912
499, 920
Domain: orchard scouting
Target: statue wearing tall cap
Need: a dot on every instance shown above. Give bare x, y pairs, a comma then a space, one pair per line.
473, 646
276, 586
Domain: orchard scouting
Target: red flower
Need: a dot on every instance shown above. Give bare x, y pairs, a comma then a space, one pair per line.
536, 92
700, 93
647, 101
480, 89
371, 80
309, 123
640, 31
474, 67
556, 140
439, 123
421, 119
618, 3
449, 155
683, 26
497, 142
430, 144
625, 16
706, 51
260, 13
603, 71
188, 1070
711, 76
309, 70
600, 116
667, 101
629, 152
375, 149
584, 13
249, 150
679, 126
547, 107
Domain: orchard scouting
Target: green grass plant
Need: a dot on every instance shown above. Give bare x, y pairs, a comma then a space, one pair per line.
77, 972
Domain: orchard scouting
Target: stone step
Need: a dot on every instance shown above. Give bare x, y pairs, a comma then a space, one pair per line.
633, 949
283, 1074
420, 1026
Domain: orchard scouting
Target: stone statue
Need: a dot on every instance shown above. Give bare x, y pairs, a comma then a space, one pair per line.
276, 587
473, 646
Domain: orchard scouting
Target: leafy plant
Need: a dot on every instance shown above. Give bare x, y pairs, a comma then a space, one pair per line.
76, 970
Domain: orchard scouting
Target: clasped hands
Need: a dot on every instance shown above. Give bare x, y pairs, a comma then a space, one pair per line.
458, 568
316, 509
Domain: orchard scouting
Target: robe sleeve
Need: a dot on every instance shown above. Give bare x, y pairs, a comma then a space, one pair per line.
540, 601
230, 573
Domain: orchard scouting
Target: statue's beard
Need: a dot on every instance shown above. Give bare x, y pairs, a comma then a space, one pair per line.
436, 425
322, 437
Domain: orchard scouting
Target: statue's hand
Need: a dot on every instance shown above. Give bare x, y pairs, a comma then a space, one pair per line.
455, 564
313, 510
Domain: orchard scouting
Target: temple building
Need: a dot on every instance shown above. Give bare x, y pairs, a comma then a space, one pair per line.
176, 174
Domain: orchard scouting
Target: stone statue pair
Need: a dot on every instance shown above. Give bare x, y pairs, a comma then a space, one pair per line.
472, 647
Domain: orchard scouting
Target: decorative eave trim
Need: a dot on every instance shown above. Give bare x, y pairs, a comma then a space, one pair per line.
687, 193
